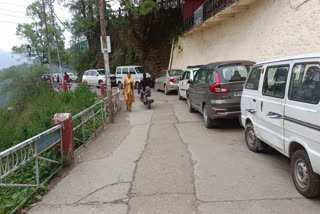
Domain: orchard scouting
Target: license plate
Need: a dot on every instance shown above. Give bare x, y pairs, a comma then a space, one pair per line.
237, 93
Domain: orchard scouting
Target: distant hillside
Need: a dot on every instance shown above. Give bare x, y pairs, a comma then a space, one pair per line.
7, 60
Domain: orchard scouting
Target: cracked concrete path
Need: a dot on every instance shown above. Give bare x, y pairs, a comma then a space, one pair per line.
165, 161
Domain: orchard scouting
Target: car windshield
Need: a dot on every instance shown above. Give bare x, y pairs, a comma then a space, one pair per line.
141, 70
173, 73
233, 73
101, 72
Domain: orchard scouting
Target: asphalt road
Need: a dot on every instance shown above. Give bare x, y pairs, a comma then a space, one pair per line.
164, 160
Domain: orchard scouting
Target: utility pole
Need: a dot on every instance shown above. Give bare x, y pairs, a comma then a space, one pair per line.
48, 44
56, 38
106, 59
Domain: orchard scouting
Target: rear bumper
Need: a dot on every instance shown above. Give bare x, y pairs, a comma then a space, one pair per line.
224, 111
172, 87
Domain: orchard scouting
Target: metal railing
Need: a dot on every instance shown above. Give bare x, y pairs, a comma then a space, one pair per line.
19, 155
91, 120
210, 8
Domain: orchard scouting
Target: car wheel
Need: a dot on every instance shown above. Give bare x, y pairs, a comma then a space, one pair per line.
253, 143
120, 85
306, 181
166, 92
208, 122
100, 82
190, 108
179, 95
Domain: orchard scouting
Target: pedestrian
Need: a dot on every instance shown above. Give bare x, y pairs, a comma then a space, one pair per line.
128, 91
67, 79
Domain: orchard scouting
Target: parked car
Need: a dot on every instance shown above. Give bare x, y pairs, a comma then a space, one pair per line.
136, 72
73, 77
168, 80
94, 77
45, 77
280, 107
183, 83
216, 90
97, 76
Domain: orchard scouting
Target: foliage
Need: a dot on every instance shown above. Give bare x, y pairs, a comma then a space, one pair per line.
34, 110
144, 8
35, 35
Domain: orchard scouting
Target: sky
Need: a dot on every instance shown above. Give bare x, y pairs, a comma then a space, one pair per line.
12, 12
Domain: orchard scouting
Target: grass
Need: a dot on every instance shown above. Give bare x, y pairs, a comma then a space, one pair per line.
34, 108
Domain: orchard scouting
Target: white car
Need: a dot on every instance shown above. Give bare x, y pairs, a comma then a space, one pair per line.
94, 76
136, 72
183, 83
280, 107
73, 77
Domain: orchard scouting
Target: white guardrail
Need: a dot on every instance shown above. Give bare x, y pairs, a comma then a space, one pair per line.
15, 157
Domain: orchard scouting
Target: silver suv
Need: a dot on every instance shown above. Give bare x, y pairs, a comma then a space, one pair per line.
216, 90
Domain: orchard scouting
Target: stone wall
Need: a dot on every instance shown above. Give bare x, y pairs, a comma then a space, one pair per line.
268, 29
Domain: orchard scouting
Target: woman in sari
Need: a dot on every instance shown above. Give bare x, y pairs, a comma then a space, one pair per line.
128, 91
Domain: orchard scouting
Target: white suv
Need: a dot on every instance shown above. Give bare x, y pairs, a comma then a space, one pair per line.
136, 72
94, 76
280, 106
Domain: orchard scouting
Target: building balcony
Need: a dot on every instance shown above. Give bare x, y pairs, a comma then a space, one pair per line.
212, 12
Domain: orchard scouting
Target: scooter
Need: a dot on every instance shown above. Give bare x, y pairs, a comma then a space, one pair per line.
146, 97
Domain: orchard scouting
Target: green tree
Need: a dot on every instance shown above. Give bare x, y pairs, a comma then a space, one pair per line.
35, 35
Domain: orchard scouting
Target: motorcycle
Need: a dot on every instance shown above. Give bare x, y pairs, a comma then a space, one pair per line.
146, 97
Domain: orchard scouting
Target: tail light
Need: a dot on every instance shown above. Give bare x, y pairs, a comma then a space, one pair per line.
173, 80
148, 95
216, 88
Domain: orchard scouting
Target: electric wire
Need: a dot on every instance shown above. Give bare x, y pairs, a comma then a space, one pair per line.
24, 17
14, 11
18, 5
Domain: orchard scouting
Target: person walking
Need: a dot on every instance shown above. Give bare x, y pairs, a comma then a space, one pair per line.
128, 91
67, 79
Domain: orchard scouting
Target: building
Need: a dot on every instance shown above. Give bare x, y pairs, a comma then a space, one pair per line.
246, 29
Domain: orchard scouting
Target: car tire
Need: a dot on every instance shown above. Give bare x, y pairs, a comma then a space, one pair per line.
307, 182
208, 122
190, 108
100, 82
120, 85
179, 95
166, 92
253, 143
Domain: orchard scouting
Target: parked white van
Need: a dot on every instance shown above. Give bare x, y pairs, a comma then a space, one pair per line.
136, 72
280, 107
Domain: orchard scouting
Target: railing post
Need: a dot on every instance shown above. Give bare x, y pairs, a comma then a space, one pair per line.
37, 163
103, 89
65, 119
94, 122
82, 127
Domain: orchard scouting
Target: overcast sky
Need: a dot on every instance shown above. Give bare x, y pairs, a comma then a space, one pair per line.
12, 12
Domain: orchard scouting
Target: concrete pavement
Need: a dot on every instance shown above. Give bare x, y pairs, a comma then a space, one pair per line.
164, 160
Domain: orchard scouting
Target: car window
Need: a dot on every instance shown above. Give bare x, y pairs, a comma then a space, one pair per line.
124, 70
254, 78
184, 77
86, 73
141, 70
163, 74
275, 80
101, 72
118, 71
89, 73
233, 73
94, 73
173, 73
305, 83
132, 71
203, 76
188, 75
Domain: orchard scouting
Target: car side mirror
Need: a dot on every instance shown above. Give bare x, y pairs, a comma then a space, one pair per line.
190, 81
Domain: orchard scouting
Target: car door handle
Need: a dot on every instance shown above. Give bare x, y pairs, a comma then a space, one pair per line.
254, 100
261, 106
